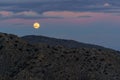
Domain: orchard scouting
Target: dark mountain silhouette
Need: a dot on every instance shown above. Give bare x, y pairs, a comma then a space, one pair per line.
32, 39
20, 60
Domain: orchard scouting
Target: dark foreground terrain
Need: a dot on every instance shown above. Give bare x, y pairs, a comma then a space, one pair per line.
20, 60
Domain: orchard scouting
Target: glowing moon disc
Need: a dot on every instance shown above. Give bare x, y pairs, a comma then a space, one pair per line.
36, 25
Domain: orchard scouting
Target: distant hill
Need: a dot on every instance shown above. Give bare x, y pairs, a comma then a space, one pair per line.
33, 39
20, 60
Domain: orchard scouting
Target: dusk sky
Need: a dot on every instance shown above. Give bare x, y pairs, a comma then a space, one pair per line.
88, 21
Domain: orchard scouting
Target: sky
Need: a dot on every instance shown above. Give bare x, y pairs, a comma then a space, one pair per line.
89, 21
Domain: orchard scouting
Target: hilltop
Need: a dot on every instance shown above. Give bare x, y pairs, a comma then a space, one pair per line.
33, 39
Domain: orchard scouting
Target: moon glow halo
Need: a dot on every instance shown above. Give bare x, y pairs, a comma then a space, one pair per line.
36, 25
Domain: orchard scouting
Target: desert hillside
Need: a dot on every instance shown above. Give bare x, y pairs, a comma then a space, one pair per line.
20, 60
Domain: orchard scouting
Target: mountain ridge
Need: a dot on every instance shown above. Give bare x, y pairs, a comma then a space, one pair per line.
34, 39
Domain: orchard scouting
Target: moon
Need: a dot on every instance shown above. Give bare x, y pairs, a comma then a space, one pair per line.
36, 25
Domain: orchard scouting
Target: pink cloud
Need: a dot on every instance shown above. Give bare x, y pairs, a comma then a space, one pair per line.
75, 17
23, 13
66, 14
28, 13
6, 13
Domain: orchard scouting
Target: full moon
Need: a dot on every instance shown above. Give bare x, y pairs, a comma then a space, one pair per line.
36, 25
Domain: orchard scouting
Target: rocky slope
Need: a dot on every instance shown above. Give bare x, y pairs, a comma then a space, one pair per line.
14, 53
20, 60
